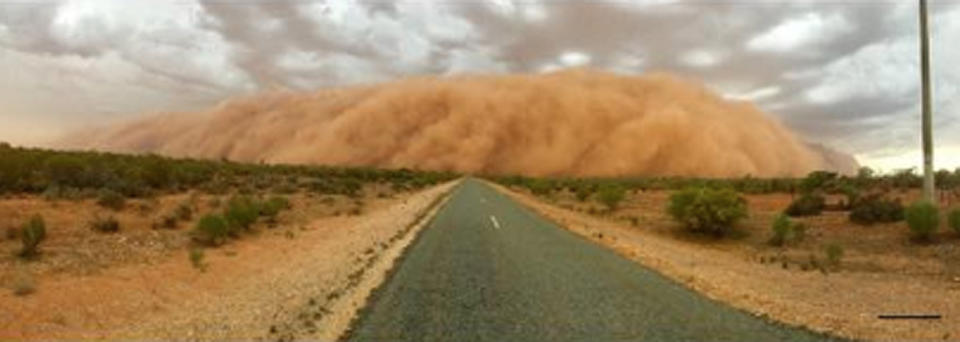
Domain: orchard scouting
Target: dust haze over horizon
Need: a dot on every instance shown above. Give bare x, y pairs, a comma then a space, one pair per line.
576, 122
836, 74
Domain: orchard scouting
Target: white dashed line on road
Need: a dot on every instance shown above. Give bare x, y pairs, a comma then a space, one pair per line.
495, 223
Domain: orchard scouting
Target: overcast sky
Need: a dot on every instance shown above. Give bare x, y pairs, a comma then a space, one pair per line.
842, 73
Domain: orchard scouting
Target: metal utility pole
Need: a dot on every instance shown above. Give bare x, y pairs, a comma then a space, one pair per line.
926, 125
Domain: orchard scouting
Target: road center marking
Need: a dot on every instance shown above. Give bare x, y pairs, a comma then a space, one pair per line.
495, 223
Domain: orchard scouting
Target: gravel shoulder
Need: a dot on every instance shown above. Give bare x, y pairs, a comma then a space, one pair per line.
844, 303
302, 284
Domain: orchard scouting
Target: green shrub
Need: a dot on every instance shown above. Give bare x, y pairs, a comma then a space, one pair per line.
211, 230
953, 219
539, 187
707, 210
876, 209
583, 192
808, 204
274, 206
611, 195
32, 233
111, 199
924, 219
782, 230
241, 213
105, 224
834, 253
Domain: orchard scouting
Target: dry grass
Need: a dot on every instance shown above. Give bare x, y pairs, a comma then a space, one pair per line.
880, 271
884, 248
146, 282
145, 237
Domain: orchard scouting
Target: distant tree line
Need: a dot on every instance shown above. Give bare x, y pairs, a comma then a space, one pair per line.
33, 170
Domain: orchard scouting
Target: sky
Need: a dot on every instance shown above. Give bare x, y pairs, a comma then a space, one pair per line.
841, 73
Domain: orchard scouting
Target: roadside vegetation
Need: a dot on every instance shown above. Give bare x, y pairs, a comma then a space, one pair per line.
811, 223
111, 208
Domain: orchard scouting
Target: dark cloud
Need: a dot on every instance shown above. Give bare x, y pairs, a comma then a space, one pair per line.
817, 65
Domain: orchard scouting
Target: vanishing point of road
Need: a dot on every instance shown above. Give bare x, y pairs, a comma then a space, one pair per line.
487, 269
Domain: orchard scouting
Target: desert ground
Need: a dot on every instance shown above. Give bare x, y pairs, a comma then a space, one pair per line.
103, 246
881, 270
303, 276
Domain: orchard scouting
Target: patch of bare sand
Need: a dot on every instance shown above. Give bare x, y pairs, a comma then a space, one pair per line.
844, 303
249, 290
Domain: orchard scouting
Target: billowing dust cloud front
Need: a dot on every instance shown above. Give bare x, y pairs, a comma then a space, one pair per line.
575, 122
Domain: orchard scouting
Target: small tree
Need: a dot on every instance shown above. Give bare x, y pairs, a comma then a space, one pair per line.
923, 219
707, 210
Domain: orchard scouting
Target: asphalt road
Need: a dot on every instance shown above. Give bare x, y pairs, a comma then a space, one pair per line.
488, 269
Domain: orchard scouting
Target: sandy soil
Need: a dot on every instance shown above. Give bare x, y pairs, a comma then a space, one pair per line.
253, 288
881, 272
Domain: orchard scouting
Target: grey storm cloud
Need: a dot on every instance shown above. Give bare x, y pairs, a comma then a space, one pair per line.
842, 73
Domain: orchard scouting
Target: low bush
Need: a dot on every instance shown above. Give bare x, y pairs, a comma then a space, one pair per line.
168, 221
274, 206
707, 210
539, 187
953, 219
876, 209
241, 213
183, 212
111, 199
923, 218
56, 192
611, 195
32, 234
782, 230
808, 204
583, 193
105, 224
196, 259
211, 230
834, 253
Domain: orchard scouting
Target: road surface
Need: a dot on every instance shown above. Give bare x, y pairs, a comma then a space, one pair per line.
487, 269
